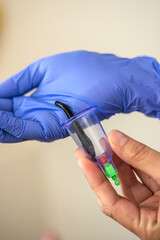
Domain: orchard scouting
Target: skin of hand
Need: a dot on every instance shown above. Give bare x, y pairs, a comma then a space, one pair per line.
139, 209
80, 79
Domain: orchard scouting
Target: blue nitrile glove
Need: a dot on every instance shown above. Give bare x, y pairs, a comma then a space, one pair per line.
79, 79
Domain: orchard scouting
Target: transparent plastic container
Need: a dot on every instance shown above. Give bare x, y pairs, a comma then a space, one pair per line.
87, 132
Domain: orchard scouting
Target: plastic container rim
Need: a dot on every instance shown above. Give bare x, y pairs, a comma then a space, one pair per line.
77, 116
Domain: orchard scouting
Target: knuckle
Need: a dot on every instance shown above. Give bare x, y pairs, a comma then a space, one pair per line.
105, 210
147, 233
139, 152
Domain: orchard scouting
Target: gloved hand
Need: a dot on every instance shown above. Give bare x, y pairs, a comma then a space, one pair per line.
79, 79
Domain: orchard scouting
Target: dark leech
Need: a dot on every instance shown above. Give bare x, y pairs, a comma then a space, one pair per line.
84, 139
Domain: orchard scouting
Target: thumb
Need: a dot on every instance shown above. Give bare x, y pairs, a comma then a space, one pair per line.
136, 154
22, 82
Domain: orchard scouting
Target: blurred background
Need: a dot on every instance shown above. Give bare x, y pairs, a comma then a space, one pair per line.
41, 185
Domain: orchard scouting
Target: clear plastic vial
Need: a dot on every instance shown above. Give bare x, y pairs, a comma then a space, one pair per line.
87, 132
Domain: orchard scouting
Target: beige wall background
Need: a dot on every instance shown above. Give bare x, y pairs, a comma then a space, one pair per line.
41, 185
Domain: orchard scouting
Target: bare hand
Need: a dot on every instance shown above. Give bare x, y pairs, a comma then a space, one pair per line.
139, 209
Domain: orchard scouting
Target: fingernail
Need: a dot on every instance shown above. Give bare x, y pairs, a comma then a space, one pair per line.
118, 138
79, 162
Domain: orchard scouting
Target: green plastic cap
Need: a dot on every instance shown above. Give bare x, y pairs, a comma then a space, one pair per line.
116, 181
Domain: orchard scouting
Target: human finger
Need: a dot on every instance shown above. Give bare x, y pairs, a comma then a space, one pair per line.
133, 189
136, 154
148, 181
22, 82
6, 104
8, 138
19, 128
110, 202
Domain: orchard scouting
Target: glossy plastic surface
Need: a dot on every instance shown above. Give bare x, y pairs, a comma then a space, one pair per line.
87, 132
